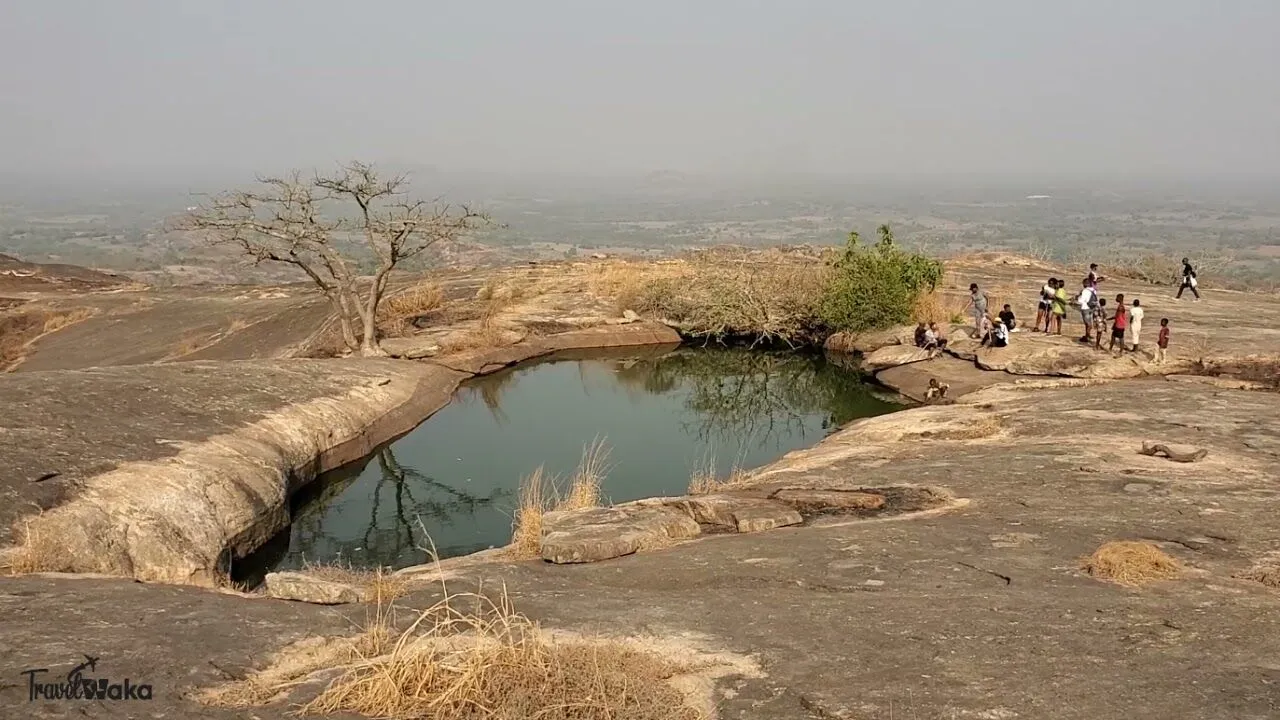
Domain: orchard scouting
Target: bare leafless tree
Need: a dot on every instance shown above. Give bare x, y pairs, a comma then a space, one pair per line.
296, 221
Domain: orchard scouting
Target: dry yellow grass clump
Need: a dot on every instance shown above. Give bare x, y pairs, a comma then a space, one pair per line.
494, 663
34, 552
469, 657
703, 481
397, 312
540, 494
941, 308
1131, 563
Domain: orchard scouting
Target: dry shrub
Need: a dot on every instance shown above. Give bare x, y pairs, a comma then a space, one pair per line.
540, 494
397, 312
1131, 563
59, 319
728, 292
32, 553
935, 307
191, 343
1268, 574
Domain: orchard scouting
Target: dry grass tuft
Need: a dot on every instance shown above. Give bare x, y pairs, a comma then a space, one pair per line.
471, 657
703, 481
937, 307
490, 662
32, 553
540, 494
397, 313
1266, 573
55, 321
584, 486
373, 582
488, 332
535, 502
1131, 563
191, 343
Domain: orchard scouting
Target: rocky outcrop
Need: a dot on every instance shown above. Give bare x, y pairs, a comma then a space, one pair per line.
216, 483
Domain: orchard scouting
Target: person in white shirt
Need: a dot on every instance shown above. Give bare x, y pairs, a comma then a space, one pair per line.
1087, 300
1044, 311
1135, 323
1002, 335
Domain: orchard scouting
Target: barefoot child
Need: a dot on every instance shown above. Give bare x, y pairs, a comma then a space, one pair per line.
1099, 322
1135, 323
1162, 341
1118, 325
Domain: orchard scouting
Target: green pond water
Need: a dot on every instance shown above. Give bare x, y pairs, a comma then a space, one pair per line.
663, 414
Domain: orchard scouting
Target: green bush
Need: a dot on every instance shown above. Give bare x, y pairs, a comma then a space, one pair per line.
876, 287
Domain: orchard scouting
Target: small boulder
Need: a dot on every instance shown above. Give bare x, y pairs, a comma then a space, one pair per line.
305, 588
581, 536
893, 356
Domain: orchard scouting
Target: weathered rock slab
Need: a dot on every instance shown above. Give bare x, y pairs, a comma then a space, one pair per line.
582, 536
744, 514
869, 342
893, 356
306, 588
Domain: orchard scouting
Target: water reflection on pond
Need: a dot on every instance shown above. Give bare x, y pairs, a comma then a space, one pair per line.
663, 413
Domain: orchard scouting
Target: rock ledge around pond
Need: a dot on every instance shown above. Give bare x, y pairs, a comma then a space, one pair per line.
592, 535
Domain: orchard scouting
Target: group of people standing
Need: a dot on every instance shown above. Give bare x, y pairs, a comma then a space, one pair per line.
1123, 318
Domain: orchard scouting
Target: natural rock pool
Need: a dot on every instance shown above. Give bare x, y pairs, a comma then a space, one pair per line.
663, 414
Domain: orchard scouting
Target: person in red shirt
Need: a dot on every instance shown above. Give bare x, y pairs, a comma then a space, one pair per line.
1118, 325
1162, 342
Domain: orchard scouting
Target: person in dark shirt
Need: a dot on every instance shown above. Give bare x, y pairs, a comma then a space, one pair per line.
1006, 317
921, 331
1162, 342
1188, 280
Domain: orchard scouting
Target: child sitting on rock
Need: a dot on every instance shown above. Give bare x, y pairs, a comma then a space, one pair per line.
936, 391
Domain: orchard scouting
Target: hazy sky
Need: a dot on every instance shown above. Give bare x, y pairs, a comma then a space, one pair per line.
941, 86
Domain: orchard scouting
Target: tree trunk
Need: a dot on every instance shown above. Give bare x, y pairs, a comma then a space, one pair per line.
369, 346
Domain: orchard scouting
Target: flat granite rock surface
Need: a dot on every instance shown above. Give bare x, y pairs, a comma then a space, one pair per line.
980, 611
67, 426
